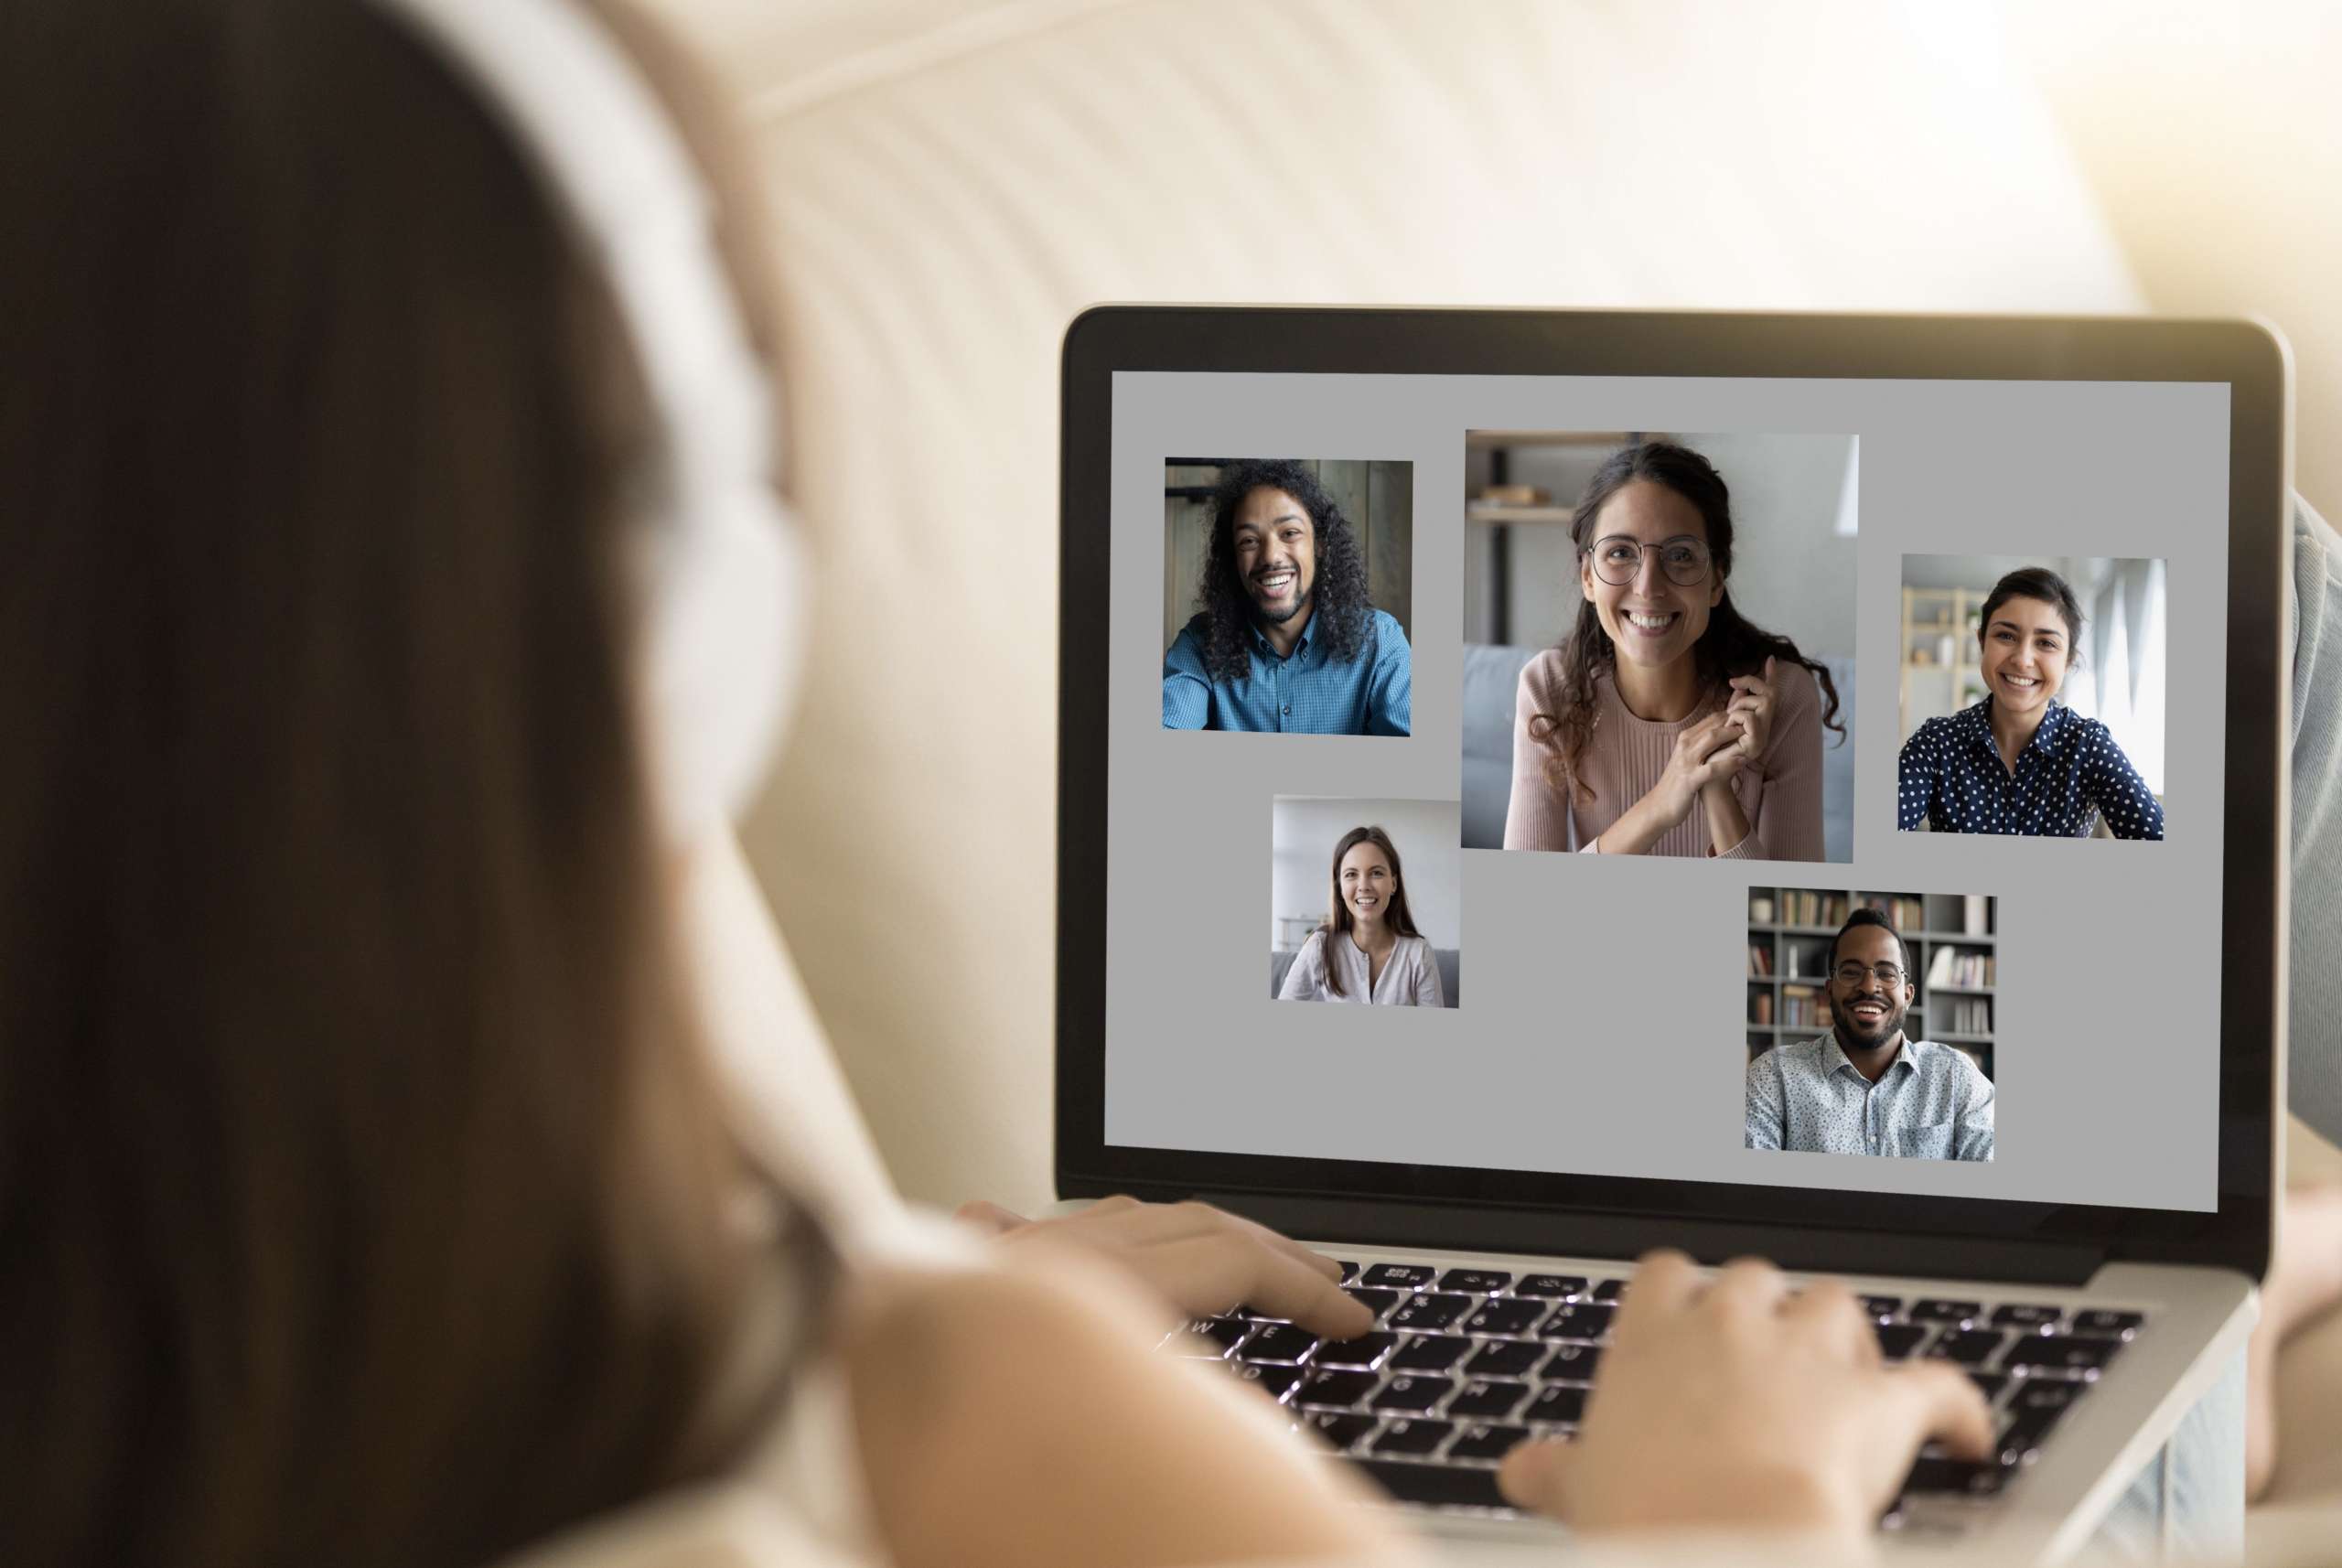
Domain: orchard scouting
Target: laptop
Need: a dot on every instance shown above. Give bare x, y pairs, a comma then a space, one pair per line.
1347, 943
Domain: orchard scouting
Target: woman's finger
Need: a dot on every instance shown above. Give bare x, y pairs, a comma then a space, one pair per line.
1215, 1272
1827, 1308
1748, 1285
1943, 1405
1532, 1476
1662, 1283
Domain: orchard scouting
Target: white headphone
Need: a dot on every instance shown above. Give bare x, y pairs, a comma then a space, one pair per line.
720, 554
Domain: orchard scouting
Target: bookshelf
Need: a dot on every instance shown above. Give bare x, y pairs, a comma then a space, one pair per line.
1951, 938
1939, 673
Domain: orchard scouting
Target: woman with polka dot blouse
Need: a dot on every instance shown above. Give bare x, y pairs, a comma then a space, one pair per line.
2020, 761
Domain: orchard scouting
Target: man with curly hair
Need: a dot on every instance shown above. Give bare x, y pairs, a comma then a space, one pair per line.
1286, 639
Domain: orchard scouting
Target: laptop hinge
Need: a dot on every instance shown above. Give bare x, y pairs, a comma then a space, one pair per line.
1439, 1227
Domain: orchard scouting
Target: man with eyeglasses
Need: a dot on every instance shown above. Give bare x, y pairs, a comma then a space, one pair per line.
1863, 1087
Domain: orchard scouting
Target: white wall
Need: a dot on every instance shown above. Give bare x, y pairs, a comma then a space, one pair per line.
1793, 573
1426, 833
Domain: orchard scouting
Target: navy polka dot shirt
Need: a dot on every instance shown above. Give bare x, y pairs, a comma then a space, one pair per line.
1952, 778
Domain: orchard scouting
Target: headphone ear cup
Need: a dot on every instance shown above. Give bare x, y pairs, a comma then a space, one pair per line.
723, 643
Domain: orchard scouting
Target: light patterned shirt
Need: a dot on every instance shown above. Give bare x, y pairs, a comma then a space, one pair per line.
1410, 975
1931, 1103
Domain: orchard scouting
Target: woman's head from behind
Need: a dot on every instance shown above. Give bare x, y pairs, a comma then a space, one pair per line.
2028, 637
360, 1175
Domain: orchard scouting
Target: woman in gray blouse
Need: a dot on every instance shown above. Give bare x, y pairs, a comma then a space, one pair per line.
1368, 949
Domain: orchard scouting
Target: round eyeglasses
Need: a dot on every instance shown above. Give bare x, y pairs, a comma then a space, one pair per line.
1850, 975
1617, 559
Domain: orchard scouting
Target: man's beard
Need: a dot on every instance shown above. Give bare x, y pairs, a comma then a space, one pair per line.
1850, 1030
1263, 614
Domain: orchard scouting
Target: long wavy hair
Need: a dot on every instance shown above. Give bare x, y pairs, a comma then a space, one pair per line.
367, 1194
1339, 609
1337, 917
1731, 645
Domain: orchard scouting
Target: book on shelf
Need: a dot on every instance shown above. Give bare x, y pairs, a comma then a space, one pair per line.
1961, 969
1760, 1008
1803, 1007
1804, 907
1760, 959
1903, 914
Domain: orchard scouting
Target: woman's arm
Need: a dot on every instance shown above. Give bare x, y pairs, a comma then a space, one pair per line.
1305, 978
2114, 786
1428, 991
1537, 816
1013, 1417
1788, 824
1915, 779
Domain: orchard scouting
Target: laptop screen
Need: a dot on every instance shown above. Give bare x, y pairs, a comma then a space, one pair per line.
1790, 784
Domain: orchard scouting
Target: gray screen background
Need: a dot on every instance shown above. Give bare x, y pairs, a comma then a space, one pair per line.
1601, 1032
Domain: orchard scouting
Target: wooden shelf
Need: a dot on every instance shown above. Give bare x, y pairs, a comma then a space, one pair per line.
1492, 512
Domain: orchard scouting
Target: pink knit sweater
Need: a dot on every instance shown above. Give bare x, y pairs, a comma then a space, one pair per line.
1781, 796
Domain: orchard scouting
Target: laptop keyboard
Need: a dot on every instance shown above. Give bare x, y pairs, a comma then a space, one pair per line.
1461, 1364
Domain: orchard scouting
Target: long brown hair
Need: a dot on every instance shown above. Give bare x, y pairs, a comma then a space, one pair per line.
363, 1188
1731, 645
1338, 914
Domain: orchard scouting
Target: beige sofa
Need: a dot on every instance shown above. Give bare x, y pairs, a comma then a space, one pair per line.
951, 183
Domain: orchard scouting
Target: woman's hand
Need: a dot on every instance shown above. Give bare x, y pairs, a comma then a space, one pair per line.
1706, 752
1729, 1402
1751, 703
1194, 1259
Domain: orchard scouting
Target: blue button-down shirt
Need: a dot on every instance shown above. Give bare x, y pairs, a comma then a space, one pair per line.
1953, 780
1307, 692
1931, 1103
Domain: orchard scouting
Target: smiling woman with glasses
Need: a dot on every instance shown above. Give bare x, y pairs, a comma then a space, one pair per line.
1667, 723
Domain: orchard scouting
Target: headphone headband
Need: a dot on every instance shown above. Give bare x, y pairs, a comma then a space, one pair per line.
720, 559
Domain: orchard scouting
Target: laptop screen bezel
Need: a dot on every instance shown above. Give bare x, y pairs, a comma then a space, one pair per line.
2250, 360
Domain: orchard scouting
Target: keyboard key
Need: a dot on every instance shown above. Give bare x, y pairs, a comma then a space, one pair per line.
1412, 1276
1488, 1399
1897, 1340
1365, 1350
1610, 1290
1209, 1338
1936, 1309
1335, 1390
1272, 1378
1549, 1287
2017, 1315
1883, 1306
1969, 1346
1430, 1353
2112, 1325
1506, 1358
1349, 1270
1475, 1281
1433, 1485
1278, 1342
1431, 1312
2057, 1352
1557, 1405
1338, 1428
1571, 1364
1988, 1384
1485, 1442
2044, 1393
1505, 1315
1579, 1320
1407, 1392
1934, 1474
1377, 1301
1414, 1438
